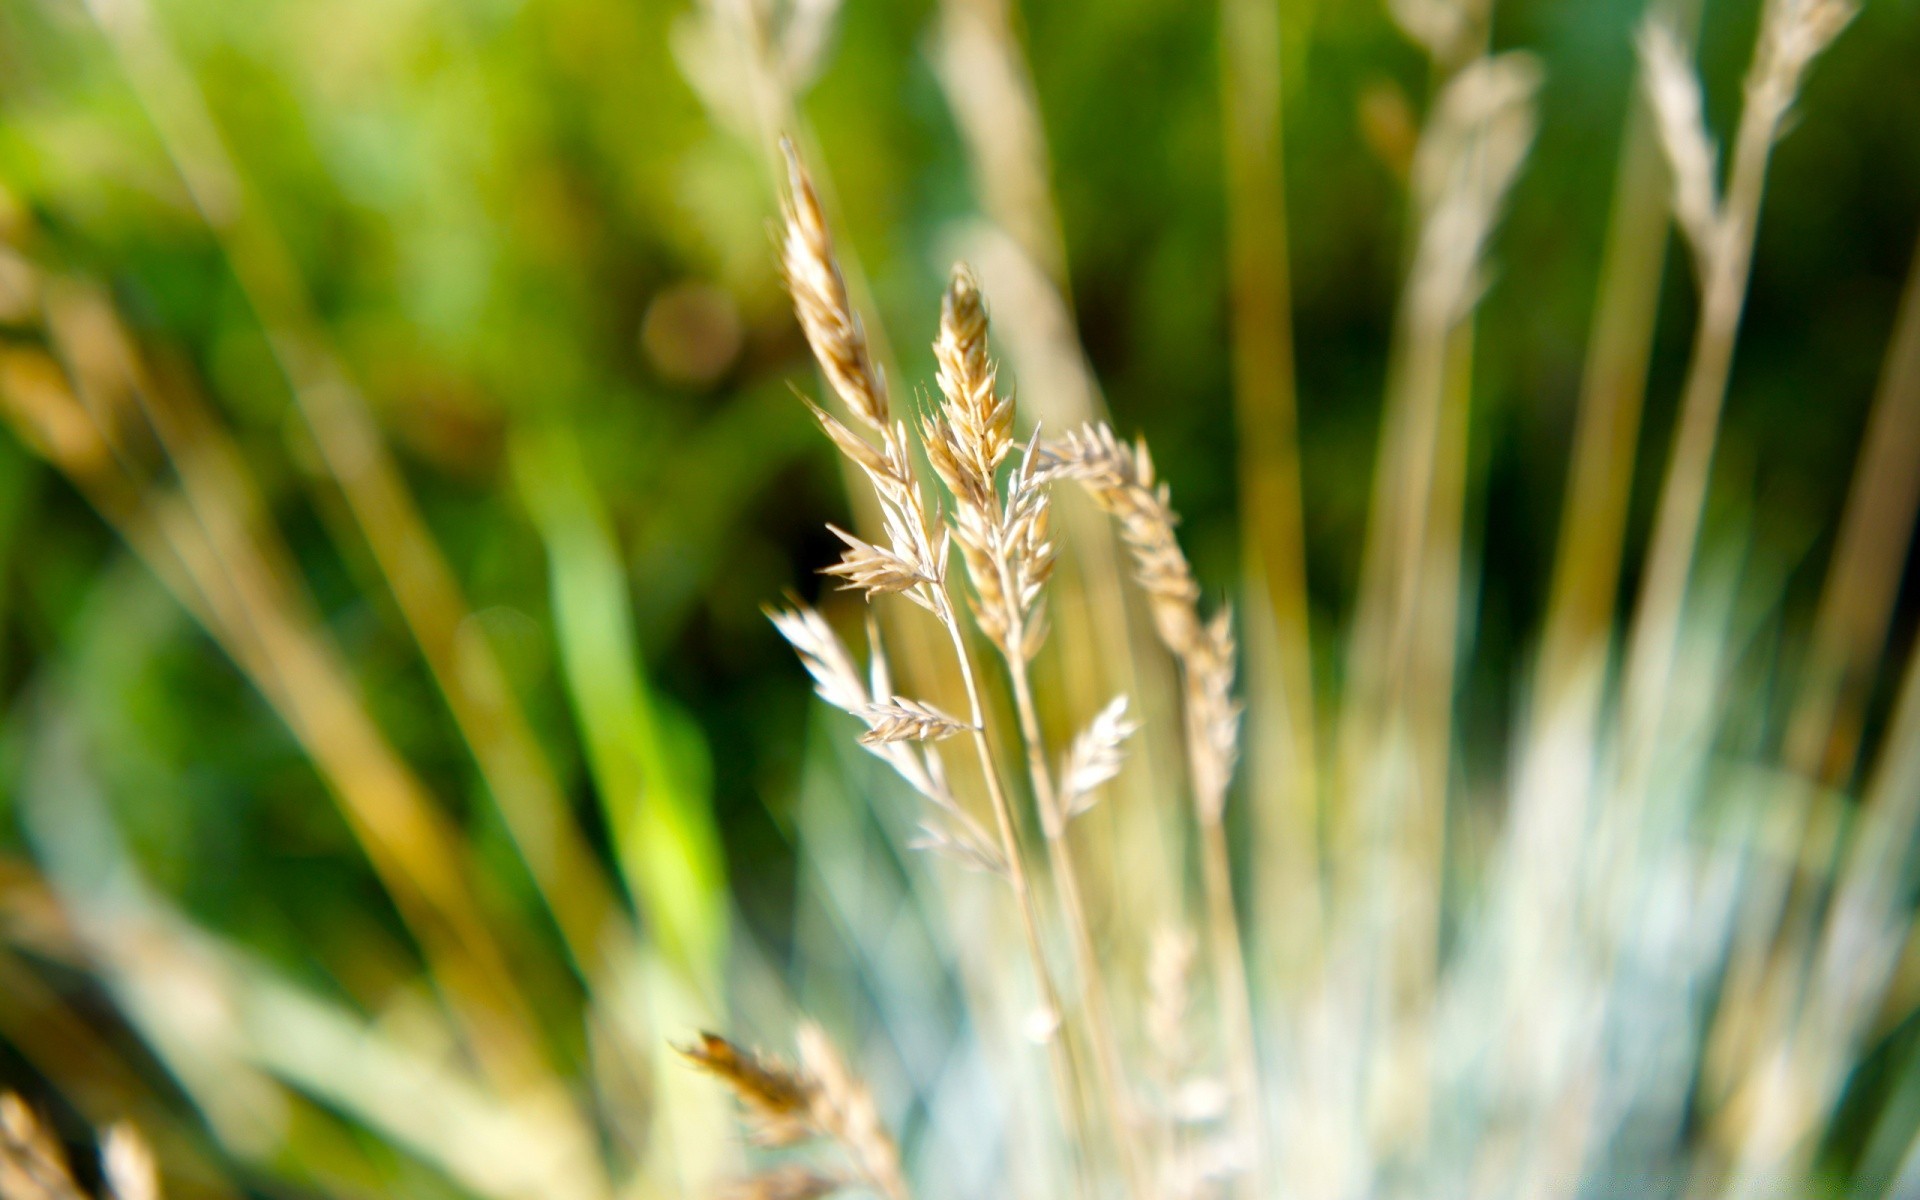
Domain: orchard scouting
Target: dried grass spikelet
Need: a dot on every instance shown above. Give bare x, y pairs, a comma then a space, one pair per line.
903, 720
1026, 546
876, 570
778, 1098
1004, 542
32, 1164
982, 420
911, 563
1213, 712
1792, 34
1095, 757
820, 301
1475, 140
820, 1099
1673, 91
949, 831
844, 1111
1121, 481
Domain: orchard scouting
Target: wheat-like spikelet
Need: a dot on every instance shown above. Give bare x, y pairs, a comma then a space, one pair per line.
1468, 157
844, 1111
1673, 92
820, 301
1121, 480
950, 830
981, 419
1003, 539
878, 570
1095, 758
820, 1099
32, 1164
778, 1098
1213, 712
900, 719
970, 434
1792, 34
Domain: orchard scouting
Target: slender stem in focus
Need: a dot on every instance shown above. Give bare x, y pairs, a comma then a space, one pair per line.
1059, 1056
1109, 1072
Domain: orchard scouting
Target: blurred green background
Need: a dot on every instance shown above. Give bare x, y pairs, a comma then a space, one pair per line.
548, 268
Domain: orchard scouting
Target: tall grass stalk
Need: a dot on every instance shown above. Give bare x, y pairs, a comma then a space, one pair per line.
1282, 753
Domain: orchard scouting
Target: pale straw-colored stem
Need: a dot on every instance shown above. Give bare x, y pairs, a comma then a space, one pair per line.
1227, 952
1059, 1053
1282, 759
1727, 264
1586, 570
1095, 1010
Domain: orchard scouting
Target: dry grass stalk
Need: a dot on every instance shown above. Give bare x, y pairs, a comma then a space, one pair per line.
984, 73
1121, 480
820, 1099
778, 1098
1004, 542
1095, 758
820, 301
951, 831
1017, 245
1574, 646
1799, 912
1396, 728
1282, 768
1792, 34
972, 435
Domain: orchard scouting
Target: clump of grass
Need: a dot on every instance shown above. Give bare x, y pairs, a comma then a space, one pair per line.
1632, 971
1376, 1058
